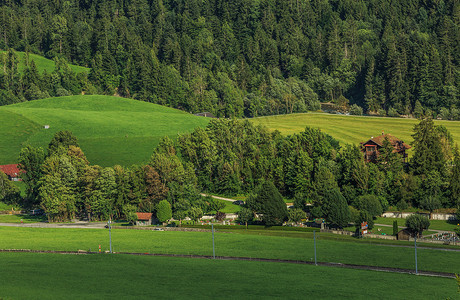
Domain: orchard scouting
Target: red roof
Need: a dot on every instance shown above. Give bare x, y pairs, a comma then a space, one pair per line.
143, 216
11, 170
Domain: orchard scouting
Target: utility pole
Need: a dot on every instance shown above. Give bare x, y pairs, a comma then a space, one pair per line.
314, 239
213, 247
110, 233
415, 243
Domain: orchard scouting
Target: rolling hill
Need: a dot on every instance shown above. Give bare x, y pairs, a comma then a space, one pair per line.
43, 63
350, 129
110, 130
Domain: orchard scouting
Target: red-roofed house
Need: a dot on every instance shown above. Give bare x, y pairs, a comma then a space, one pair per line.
371, 147
144, 218
12, 171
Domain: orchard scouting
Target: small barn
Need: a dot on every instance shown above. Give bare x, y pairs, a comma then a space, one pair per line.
144, 218
12, 171
403, 235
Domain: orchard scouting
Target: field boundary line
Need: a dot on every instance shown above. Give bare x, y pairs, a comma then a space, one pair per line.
324, 264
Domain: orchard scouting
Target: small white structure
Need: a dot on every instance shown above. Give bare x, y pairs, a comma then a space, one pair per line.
46, 126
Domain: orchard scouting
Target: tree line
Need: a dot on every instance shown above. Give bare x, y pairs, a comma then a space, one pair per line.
231, 157
247, 57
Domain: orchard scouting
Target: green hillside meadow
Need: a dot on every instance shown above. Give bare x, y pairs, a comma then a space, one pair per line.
43, 63
350, 129
110, 130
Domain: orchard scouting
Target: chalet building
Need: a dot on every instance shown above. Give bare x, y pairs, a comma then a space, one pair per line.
371, 147
12, 171
144, 218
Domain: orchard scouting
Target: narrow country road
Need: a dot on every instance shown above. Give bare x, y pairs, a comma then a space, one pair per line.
217, 197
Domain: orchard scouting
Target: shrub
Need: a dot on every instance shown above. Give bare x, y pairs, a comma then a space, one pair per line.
395, 227
195, 213
382, 112
356, 110
392, 112
164, 212
220, 216
296, 215
245, 215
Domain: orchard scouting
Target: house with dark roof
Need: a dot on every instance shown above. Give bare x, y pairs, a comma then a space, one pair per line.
144, 218
371, 147
12, 171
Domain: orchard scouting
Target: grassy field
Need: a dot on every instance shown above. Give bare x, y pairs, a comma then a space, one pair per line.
434, 224
17, 218
350, 129
229, 244
110, 130
43, 63
54, 276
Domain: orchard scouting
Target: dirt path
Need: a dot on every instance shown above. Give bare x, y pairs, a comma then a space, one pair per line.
324, 264
217, 197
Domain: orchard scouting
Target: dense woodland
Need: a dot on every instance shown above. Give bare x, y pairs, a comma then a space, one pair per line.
243, 57
234, 157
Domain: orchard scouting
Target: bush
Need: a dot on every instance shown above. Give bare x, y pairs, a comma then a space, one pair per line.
395, 227
392, 112
356, 110
296, 215
195, 213
164, 212
220, 216
382, 112
245, 215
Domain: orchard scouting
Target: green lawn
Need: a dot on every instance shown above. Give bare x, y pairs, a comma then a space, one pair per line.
43, 63
229, 208
17, 219
55, 276
434, 224
110, 130
229, 244
350, 129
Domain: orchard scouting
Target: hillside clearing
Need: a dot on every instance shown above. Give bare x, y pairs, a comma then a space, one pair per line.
110, 130
350, 129
43, 63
